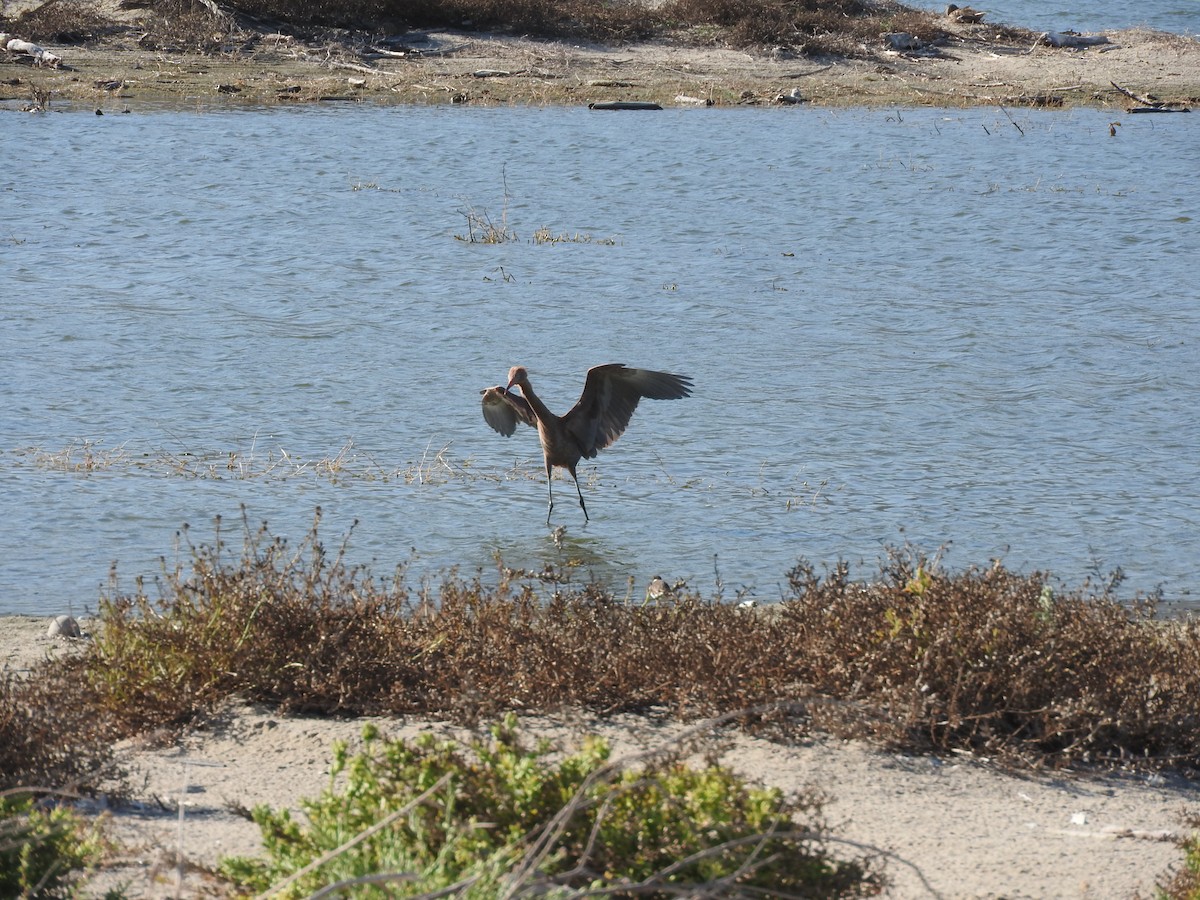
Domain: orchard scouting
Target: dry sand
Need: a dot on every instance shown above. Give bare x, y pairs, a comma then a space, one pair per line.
979, 66
953, 828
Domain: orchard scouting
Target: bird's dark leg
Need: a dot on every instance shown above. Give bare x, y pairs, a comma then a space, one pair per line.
580, 493
549, 493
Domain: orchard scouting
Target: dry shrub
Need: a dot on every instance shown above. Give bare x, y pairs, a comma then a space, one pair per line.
985, 660
995, 662
283, 625
64, 22
50, 736
578, 19
182, 26
843, 27
817, 26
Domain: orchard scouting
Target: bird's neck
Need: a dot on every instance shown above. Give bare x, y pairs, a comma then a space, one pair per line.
535, 402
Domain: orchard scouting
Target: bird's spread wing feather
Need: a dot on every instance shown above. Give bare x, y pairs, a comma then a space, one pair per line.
610, 395
503, 409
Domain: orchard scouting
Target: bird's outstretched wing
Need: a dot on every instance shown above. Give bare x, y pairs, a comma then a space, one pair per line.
610, 395
502, 409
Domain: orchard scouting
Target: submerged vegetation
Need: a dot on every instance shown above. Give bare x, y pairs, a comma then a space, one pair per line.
436, 465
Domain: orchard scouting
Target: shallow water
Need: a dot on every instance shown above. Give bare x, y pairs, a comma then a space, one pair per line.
1180, 16
903, 325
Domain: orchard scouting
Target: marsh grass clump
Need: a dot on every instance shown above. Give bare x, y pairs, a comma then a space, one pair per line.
501, 817
545, 236
483, 229
347, 464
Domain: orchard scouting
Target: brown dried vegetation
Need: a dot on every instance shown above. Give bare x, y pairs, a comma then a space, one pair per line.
986, 661
814, 27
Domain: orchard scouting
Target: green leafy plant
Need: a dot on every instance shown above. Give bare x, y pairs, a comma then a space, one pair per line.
501, 816
42, 849
1184, 884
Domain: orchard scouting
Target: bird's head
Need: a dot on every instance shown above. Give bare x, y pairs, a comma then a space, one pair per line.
517, 375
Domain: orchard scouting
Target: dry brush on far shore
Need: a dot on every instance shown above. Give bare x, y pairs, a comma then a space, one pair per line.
844, 28
984, 660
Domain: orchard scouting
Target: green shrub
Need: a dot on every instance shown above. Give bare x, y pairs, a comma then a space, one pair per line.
1185, 883
41, 850
494, 816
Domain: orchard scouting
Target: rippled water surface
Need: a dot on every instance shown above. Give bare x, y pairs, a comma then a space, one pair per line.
903, 325
1181, 16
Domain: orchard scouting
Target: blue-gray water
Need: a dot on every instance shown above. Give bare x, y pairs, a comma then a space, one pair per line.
903, 325
1181, 16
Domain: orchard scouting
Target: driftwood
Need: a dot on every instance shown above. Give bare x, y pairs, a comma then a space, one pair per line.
40, 55
624, 104
354, 67
1071, 39
1149, 103
806, 74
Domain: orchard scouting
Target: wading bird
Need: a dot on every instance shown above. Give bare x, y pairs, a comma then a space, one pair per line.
610, 395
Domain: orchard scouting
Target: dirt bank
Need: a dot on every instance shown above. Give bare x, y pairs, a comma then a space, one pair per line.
977, 66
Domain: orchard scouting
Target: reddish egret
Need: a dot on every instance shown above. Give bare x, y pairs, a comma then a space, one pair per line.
610, 395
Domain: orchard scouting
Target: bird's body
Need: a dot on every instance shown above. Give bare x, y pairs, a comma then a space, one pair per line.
964, 14
610, 395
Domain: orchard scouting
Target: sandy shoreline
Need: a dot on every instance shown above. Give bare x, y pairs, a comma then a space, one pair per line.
954, 828
471, 69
